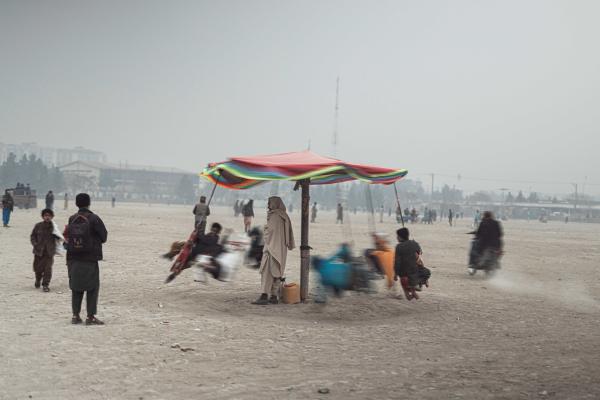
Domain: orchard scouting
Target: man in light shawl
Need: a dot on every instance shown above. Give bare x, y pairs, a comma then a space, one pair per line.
278, 238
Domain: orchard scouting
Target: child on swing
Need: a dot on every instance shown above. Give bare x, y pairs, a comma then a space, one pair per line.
405, 264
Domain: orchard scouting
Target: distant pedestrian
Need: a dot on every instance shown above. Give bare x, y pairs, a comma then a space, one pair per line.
113, 201
85, 235
340, 214
477, 218
248, 214
44, 248
201, 212
236, 208
8, 205
50, 200
66, 200
450, 216
313, 213
381, 211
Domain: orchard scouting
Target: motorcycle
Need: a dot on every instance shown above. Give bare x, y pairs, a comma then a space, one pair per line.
487, 260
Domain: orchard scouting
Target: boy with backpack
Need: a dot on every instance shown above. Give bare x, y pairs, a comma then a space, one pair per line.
84, 236
44, 248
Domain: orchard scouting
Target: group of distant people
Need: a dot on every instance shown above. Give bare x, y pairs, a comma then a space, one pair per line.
339, 213
246, 210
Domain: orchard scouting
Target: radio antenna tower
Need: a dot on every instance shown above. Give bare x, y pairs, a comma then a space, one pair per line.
335, 117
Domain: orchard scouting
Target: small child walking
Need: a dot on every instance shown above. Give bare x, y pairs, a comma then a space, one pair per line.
44, 248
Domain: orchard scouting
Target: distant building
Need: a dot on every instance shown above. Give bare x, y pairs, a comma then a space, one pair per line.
130, 182
52, 157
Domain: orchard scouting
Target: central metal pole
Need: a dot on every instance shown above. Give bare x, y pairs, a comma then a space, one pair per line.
304, 247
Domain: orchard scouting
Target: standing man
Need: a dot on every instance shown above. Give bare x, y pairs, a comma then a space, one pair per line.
381, 213
112, 202
8, 205
201, 212
50, 200
279, 238
340, 214
44, 247
248, 214
477, 217
85, 235
66, 200
313, 212
450, 216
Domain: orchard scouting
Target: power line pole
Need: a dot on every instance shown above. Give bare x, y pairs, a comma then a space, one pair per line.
431, 196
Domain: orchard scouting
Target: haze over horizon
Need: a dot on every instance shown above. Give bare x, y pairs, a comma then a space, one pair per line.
504, 94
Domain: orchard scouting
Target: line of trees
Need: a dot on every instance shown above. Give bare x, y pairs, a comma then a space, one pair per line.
30, 170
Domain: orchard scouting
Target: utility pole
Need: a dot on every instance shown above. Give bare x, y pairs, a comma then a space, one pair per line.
431, 196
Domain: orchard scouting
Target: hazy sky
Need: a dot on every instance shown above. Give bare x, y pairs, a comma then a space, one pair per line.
486, 89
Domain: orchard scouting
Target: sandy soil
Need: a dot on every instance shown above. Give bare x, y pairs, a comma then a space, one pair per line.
531, 332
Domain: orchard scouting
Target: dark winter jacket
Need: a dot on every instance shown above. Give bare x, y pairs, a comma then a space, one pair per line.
42, 239
8, 202
405, 261
248, 210
489, 234
98, 233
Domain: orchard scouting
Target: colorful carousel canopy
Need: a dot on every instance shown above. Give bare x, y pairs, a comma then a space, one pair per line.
246, 172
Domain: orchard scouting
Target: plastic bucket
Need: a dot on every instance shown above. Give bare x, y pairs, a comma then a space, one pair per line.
290, 293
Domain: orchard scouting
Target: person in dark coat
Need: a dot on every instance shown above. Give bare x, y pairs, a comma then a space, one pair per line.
248, 214
340, 214
8, 204
207, 244
44, 248
82, 263
405, 263
489, 234
488, 237
50, 200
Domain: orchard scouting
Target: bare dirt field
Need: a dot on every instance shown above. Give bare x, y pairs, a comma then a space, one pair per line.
532, 332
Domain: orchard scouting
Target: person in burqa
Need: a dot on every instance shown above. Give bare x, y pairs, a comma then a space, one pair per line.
278, 238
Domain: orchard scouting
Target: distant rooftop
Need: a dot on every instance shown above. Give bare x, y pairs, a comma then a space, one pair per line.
131, 167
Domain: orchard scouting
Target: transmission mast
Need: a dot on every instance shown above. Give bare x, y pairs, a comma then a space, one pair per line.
335, 117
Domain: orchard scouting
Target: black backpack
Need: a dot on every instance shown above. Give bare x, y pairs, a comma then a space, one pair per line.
79, 235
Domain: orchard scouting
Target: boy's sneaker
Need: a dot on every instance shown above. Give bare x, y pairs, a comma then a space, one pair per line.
46, 289
273, 300
37, 284
76, 320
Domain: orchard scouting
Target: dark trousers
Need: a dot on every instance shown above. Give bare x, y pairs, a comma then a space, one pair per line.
42, 266
91, 301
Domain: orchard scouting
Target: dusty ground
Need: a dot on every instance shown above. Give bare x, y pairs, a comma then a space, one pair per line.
530, 333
